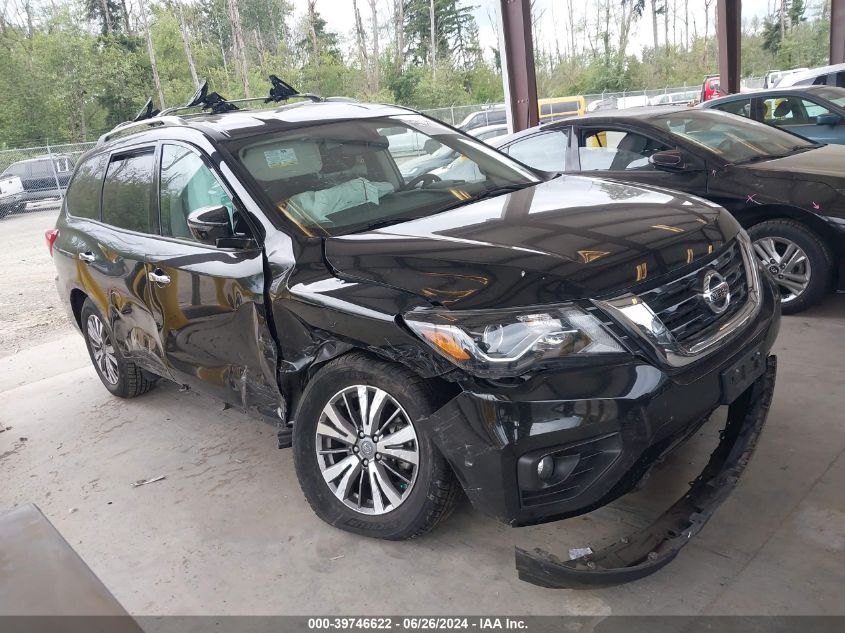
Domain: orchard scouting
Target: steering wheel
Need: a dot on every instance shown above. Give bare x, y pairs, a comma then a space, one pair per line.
422, 178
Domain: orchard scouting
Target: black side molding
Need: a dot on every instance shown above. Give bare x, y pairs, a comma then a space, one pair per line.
648, 550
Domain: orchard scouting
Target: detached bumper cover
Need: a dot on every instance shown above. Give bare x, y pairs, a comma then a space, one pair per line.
651, 548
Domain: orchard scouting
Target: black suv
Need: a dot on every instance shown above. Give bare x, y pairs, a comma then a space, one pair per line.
538, 341
41, 178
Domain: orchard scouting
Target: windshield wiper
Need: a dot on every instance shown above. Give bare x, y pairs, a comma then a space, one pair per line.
792, 150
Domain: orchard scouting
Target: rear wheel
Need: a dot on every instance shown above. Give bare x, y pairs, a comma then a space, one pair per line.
798, 260
363, 463
121, 377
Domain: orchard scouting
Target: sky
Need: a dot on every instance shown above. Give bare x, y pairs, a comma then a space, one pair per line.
339, 17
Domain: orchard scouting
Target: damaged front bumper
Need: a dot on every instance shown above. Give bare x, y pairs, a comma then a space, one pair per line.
651, 548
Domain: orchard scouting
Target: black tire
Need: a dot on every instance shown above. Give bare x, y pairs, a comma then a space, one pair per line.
434, 493
818, 255
131, 380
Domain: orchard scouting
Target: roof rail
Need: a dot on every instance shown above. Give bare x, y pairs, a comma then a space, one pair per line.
133, 127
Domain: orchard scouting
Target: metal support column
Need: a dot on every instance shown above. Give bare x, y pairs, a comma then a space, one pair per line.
837, 32
517, 55
729, 18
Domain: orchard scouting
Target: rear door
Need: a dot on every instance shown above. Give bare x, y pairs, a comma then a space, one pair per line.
208, 301
110, 253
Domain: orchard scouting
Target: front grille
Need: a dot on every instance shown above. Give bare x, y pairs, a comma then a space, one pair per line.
679, 303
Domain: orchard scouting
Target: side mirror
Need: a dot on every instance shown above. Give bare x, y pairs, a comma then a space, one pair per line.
668, 160
828, 119
210, 224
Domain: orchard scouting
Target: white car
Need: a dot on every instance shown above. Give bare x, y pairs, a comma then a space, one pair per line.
690, 96
11, 193
822, 76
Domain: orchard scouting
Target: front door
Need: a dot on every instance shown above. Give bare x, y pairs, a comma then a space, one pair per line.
209, 302
622, 154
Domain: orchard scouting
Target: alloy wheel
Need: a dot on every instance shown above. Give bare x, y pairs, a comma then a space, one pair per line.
367, 449
102, 349
787, 263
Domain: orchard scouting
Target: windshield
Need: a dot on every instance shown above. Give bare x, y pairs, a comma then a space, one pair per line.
735, 139
338, 178
832, 94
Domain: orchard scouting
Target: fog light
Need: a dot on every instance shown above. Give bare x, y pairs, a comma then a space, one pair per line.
546, 468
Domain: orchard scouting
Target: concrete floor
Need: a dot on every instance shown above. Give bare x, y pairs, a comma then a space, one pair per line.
228, 531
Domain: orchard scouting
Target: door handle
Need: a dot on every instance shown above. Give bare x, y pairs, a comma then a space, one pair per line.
87, 257
158, 277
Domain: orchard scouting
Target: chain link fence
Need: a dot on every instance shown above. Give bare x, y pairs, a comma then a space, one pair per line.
457, 115
35, 178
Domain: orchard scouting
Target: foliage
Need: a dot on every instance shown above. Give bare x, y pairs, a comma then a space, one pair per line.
84, 65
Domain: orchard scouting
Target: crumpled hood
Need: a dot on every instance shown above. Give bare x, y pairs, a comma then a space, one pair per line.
569, 238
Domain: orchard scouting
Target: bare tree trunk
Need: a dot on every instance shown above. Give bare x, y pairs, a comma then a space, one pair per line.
706, 26
104, 7
571, 28
782, 19
433, 36
361, 41
151, 52
259, 46
374, 60
239, 45
187, 44
674, 23
27, 7
399, 12
312, 26
125, 11
654, 24
666, 23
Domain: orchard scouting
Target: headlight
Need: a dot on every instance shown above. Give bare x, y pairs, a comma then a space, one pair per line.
508, 342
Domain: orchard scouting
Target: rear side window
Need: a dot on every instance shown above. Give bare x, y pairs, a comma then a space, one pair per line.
83, 194
742, 107
127, 192
546, 151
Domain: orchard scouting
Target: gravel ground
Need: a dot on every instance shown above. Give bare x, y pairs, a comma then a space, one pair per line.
30, 310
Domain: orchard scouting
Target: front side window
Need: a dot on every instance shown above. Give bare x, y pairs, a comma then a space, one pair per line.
83, 194
339, 178
187, 184
127, 191
786, 111
546, 151
733, 139
616, 150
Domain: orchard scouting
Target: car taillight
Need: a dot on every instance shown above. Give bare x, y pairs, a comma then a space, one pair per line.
50, 235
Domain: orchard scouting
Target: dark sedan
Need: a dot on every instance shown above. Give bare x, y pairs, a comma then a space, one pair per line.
814, 112
787, 191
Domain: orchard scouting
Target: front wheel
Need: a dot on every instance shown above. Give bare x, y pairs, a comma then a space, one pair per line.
362, 460
798, 260
121, 377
